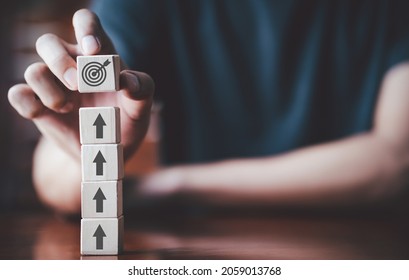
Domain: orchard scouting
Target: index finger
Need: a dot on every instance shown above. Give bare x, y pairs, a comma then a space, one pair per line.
56, 53
90, 35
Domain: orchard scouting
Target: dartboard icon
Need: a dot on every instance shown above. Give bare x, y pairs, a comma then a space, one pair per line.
94, 73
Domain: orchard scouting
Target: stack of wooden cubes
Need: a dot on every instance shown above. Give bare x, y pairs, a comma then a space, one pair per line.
102, 222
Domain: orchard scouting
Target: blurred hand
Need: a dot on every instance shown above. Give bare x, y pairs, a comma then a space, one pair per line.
50, 97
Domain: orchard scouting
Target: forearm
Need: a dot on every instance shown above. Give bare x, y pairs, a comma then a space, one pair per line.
57, 177
353, 170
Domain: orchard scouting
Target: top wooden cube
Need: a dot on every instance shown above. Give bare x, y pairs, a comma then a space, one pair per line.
98, 73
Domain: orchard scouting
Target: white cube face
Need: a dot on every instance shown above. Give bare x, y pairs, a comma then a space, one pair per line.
98, 73
102, 236
100, 125
101, 199
102, 162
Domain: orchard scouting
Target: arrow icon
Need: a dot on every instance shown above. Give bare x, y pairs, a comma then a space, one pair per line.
99, 124
99, 160
106, 63
99, 235
99, 198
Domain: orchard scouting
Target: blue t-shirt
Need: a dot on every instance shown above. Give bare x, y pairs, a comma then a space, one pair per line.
253, 78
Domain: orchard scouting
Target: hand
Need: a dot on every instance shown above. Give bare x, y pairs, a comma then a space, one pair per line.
51, 100
50, 97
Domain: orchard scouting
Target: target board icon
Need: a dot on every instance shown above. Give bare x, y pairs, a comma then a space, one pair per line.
98, 73
94, 73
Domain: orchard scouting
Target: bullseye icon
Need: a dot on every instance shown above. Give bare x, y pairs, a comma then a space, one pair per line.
94, 73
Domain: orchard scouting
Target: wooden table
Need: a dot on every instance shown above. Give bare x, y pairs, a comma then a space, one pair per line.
42, 235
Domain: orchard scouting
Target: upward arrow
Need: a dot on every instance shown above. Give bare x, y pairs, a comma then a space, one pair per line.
99, 235
99, 160
99, 124
99, 198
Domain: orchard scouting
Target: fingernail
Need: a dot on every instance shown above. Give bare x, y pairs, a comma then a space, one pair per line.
90, 44
70, 76
67, 108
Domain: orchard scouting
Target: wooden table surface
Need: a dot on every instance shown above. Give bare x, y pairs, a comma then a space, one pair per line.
42, 235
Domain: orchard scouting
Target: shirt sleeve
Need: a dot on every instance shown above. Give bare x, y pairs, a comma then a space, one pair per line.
398, 33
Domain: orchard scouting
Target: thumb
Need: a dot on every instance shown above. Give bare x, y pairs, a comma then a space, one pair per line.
137, 89
90, 35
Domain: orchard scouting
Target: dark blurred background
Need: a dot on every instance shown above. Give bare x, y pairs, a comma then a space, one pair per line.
22, 22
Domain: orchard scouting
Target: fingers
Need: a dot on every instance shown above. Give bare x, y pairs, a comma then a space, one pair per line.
90, 35
136, 85
41, 92
25, 102
57, 55
51, 94
137, 89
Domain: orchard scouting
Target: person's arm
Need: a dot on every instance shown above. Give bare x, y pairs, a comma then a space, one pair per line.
359, 169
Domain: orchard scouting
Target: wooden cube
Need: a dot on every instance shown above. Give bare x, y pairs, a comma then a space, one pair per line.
98, 73
100, 125
102, 162
102, 236
101, 199
99, 257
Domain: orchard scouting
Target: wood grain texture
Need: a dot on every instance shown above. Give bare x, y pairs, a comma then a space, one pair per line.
172, 234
